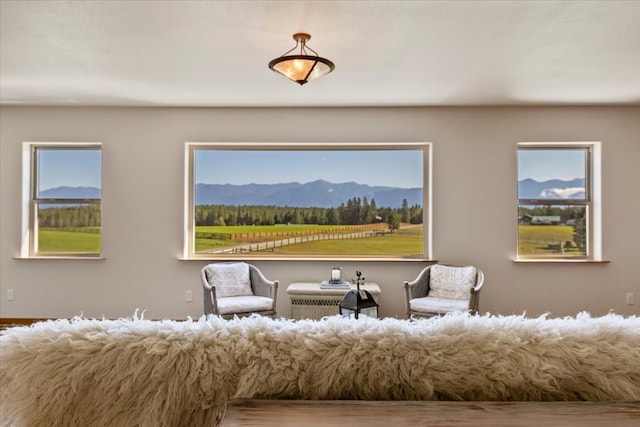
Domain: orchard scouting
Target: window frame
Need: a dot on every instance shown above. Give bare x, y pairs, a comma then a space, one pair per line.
591, 202
31, 200
188, 252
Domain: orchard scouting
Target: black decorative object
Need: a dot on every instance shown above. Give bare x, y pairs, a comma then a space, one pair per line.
358, 302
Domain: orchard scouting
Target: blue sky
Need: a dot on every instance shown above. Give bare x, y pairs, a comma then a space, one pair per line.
543, 165
395, 168
73, 168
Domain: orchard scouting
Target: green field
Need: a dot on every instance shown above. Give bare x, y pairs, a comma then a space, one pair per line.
533, 240
87, 240
390, 244
536, 240
407, 242
401, 243
219, 236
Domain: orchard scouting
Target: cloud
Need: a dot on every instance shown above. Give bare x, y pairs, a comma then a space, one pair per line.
563, 193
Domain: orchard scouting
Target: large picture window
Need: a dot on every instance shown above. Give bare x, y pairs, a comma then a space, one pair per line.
557, 209
62, 203
327, 201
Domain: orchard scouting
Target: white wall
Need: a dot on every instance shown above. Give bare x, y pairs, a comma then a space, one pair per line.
474, 204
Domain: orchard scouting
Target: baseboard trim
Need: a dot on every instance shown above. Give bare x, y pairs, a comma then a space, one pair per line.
20, 321
6, 322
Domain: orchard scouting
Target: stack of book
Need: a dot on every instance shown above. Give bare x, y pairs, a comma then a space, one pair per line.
329, 284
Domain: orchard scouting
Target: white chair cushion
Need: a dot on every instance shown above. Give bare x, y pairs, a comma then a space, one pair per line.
451, 282
230, 280
438, 305
244, 304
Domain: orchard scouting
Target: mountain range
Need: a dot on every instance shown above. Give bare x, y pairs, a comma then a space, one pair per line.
325, 194
66, 192
551, 189
319, 193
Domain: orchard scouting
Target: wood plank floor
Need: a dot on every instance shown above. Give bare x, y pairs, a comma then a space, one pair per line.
310, 413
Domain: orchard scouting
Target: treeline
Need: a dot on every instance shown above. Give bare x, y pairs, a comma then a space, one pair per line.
69, 216
355, 211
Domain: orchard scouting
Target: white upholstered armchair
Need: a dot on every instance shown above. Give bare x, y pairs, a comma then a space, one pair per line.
440, 289
237, 289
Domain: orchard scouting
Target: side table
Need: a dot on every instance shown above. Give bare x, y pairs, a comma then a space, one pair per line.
309, 301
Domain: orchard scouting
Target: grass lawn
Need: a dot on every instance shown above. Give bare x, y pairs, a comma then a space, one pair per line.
390, 244
407, 242
69, 241
535, 239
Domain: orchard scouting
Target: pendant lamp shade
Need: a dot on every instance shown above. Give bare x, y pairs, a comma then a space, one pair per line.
301, 68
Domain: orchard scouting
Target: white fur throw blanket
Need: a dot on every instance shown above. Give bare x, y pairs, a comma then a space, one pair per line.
138, 372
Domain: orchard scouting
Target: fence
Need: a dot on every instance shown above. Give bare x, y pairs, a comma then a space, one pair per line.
270, 246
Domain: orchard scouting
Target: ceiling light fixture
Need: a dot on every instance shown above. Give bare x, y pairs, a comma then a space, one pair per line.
301, 68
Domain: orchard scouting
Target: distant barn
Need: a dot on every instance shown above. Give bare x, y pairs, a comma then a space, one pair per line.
539, 220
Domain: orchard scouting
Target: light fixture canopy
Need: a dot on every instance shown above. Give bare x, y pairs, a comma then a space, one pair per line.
302, 67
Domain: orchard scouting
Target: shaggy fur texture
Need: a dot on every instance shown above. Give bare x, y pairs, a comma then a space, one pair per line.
138, 372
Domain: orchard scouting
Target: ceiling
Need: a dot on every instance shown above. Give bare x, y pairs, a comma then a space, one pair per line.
387, 53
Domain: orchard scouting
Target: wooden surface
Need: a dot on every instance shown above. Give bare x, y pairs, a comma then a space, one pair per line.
316, 413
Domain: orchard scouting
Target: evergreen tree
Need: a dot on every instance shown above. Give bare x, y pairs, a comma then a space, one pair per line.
393, 221
404, 215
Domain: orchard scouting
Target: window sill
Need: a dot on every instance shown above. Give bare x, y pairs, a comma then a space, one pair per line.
92, 258
559, 261
306, 258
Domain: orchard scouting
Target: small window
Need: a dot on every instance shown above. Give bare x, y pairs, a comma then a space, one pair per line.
64, 203
556, 208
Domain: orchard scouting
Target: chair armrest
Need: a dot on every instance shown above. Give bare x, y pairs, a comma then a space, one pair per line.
419, 287
210, 301
205, 282
479, 282
262, 286
474, 293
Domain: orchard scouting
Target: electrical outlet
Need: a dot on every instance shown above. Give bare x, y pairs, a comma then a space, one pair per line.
630, 298
188, 296
9, 294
